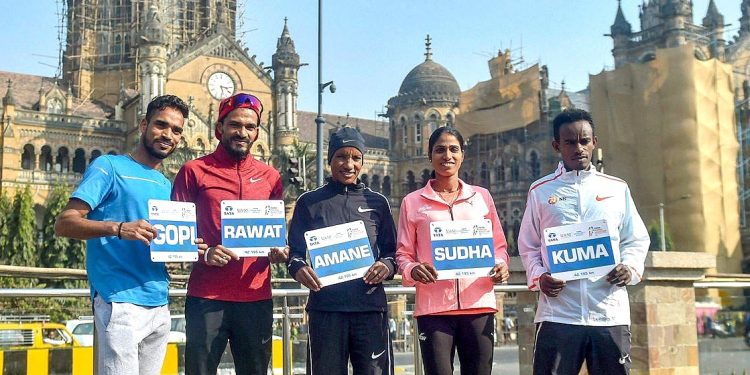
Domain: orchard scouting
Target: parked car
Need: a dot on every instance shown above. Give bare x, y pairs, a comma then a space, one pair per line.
83, 329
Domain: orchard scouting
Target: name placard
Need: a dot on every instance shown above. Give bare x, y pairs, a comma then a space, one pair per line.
462, 248
176, 228
579, 251
250, 228
340, 253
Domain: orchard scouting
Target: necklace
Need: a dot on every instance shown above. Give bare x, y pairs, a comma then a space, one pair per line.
449, 196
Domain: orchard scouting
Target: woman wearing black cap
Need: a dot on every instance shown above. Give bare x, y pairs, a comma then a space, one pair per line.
348, 321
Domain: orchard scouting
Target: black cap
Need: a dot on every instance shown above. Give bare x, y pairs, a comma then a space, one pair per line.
345, 137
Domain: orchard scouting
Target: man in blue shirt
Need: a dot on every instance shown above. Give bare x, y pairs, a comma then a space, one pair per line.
108, 209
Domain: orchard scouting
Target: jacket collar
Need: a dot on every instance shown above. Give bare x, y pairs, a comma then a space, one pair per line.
466, 191
224, 158
573, 175
340, 188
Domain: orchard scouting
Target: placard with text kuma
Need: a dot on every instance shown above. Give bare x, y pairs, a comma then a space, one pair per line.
580, 251
340, 252
175, 231
250, 228
462, 248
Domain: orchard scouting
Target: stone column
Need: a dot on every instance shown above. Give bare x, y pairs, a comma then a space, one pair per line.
663, 320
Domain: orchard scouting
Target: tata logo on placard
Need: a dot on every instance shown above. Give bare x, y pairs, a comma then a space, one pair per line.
552, 237
313, 240
154, 209
437, 232
228, 211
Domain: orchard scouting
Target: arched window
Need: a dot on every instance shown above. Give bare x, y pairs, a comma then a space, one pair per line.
375, 183
117, 52
484, 175
433, 122
392, 134
201, 146
425, 177
449, 119
387, 186
55, 106
79, 161
45, 159
411, 182
500, 171
62, 161
95, 154
514, 170
27, 159
364, 179
404, 132
534, 166
113, 152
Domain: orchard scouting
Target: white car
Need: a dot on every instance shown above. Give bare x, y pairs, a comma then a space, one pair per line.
83, 330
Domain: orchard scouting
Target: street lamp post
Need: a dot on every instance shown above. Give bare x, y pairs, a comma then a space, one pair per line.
320, 121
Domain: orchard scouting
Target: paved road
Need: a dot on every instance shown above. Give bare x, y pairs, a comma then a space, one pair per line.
505, 362
723, 356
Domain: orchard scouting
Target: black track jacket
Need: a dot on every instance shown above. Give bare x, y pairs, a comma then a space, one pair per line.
332, 204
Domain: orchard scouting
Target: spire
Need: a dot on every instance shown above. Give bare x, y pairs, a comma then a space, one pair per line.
8, 99
621, 25
153, 32
285, 54
428, 52
713, 18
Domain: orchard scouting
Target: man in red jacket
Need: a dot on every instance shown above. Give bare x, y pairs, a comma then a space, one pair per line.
229, 298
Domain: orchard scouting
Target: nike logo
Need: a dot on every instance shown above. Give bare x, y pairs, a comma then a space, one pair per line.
598, 198
254, 180
375, 356
266, 340
348, 140
360, 209
422, 337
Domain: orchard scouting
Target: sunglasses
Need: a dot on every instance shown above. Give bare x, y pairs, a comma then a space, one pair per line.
240, 100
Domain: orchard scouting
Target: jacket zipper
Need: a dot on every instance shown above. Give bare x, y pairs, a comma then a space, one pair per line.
458, 292
239, 178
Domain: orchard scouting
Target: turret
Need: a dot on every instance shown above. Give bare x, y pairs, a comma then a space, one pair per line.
285, 64
714, 22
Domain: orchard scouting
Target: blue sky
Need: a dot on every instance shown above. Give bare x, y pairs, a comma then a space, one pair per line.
370, 45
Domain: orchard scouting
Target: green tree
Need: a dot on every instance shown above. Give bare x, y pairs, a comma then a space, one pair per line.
60, 251
5, 210
21, 248
654, 233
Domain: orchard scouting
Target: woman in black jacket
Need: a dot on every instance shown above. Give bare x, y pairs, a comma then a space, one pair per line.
348, 321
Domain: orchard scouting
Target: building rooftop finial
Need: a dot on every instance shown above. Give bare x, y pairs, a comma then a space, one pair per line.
428, 48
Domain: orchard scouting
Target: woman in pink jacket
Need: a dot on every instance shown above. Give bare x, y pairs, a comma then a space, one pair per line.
457, 314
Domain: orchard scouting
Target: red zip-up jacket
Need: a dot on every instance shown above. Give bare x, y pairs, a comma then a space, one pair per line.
207, 181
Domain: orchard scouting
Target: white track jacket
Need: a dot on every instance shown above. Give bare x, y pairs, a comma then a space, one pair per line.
575, 197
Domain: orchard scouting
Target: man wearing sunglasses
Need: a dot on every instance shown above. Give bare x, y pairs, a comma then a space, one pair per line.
229, 298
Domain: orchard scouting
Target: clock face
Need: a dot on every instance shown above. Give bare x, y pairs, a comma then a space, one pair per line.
220, 85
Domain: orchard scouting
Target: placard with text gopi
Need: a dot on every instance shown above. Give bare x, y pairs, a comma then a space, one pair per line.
175, 226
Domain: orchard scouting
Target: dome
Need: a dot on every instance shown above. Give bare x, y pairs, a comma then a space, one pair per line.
429, 78
428, 82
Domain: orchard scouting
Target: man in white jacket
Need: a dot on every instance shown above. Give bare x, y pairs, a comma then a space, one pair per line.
587, 318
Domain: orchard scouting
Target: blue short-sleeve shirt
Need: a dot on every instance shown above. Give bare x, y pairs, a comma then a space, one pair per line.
117, 188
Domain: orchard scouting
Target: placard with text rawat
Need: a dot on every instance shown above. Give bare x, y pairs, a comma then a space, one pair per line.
339, 253
462, 248
580, 251
251, 228
175, 231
